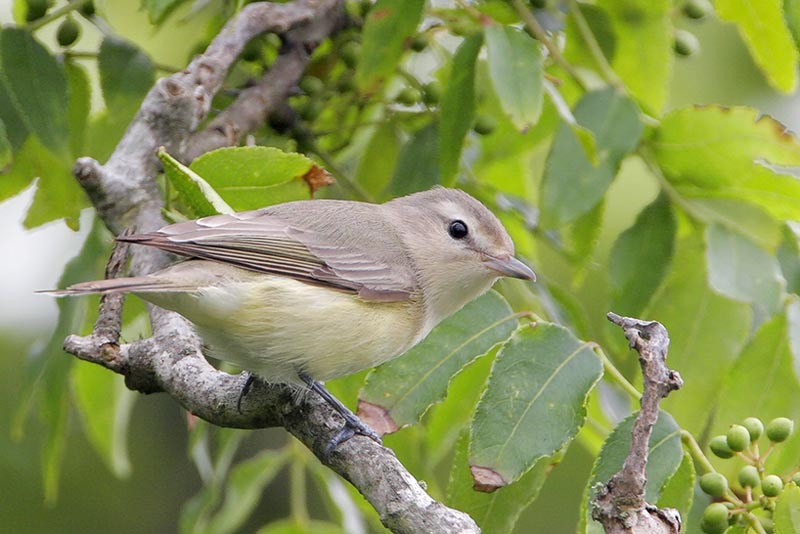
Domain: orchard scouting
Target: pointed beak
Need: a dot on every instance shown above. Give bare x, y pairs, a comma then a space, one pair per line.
510, 266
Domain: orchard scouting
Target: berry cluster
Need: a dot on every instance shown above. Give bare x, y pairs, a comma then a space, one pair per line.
756, 502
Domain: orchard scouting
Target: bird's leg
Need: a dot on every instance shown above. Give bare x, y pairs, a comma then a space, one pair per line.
251, 377
352, 424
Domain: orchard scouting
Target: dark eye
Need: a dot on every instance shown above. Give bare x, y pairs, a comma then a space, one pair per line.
457, 229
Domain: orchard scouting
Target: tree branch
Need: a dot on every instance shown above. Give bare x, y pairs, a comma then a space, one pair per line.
620, 505
125, 194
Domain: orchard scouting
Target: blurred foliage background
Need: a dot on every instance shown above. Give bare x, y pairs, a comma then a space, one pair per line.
162, 477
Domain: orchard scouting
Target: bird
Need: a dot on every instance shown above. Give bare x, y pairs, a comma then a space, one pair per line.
302, 292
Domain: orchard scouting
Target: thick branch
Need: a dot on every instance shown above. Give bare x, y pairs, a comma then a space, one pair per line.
620, 506
125, 195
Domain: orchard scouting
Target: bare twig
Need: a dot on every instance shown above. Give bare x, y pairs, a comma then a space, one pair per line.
620, 505
124, 194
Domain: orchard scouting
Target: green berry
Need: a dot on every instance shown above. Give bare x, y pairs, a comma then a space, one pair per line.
432, 92
719, 446
685, 43
779, 429
715, 518
754, 426
419, 42
738, 438
87, 9
311, 110
68, 32
36, 9
697, 9
748, 476
484, 125
311, 85
714, 484
350, 52
408, 96
771, 485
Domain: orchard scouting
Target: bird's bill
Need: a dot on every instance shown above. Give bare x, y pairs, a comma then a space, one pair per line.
510, 266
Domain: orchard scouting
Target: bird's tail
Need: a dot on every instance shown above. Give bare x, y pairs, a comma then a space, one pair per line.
138, 284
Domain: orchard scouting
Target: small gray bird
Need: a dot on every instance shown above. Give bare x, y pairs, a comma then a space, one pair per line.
311, 290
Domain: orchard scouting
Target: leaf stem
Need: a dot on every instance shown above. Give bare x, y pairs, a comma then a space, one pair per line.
612, 372
594, 47
541, 35
695, 451
649, 160
57, 13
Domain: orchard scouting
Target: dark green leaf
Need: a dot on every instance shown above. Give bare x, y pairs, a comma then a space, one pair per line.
308, 526
789, 258
710, 325
37, 86
678, 491
5, 149
126, 75
583, 236
16, 130
79, 105
379, 159
640, 258
495, 513
401, 390
388, 25
198, 197
515, 66
418, 164
572, 184
739, 269
541, 379
665, 455
457, 108
252, 177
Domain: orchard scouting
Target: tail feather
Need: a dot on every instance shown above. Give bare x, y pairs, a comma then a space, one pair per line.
119, 285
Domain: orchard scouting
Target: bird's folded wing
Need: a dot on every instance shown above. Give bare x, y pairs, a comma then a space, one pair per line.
259, 242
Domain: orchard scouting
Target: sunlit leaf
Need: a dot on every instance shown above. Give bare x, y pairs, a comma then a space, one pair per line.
199, 198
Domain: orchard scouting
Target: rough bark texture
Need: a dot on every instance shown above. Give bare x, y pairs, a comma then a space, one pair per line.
125, 195
620, 506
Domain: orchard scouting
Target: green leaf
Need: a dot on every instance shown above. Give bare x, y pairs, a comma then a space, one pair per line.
678, 491
749, 220
665, 455
640, 258
198, 196
540, 380
5, 149
764, 30
763, 382
739, 269
252, 177
515, 67
79, 105
716, 328
57, 195
46, 374
388, 25
37, 86
244, 488
497, 512
398, 392
787, 511
576, 50
789, 257
457, 108
791, 14
379, 159
16, 130
126, 75
418, 164
643, 53
293, 526
105, 406
572, 185
583, 236
714, 152
159, 10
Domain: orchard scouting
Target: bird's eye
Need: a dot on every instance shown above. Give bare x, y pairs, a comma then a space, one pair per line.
457, 229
